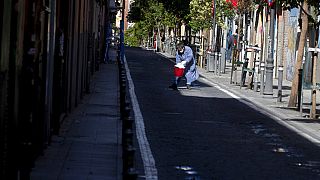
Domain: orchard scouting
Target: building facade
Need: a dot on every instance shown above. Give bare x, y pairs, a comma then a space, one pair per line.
49, 51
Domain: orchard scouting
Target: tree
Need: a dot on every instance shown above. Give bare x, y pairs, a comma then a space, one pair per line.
148, 16
176, 8
304, 29
200, 13
180, 8
305, 19
136, 34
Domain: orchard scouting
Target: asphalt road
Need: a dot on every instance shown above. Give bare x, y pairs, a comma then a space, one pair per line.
206, 134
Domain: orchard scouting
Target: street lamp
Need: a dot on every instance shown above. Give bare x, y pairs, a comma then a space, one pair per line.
269, 66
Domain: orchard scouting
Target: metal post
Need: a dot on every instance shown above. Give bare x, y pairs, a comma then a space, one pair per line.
244, 72
232, 64
235, 75
245, 39
280, 67
280, 78
122, 31
256, 71
223, 60
213, 25
301, 104
219, 64
269, 65
315, 54
263, 54
299, 88
210, 59
215, 62
314, 88
262, 68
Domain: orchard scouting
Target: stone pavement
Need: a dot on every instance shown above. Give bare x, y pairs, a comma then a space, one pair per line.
291, 118
89, 144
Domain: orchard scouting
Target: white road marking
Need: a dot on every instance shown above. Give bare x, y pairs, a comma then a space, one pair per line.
267, 113
150, 170
221, 89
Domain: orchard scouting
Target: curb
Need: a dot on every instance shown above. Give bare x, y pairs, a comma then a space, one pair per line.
274, 114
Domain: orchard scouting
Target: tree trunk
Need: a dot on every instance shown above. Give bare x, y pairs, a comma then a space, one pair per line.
294, 89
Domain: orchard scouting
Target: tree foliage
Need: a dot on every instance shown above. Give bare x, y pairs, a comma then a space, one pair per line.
224, 9
152, 12
201, 13
148, 16
289, 4
136, 34
180, 8
245, 6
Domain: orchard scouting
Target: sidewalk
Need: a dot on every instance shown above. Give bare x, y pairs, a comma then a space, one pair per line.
89, 145
289, 117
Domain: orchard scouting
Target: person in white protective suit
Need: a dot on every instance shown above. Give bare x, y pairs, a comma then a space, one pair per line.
184, 58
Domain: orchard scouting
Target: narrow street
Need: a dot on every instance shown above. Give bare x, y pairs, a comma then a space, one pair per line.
204, 133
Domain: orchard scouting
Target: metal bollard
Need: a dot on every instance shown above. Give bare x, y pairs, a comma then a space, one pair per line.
130, 174
256, 72
126, 112
215, 66
123, 82
128, 123
123, 104
299, 88
280, 77
127, 138
262, 68
244, 72
122, 73
128, 158
122, 95
219, 64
